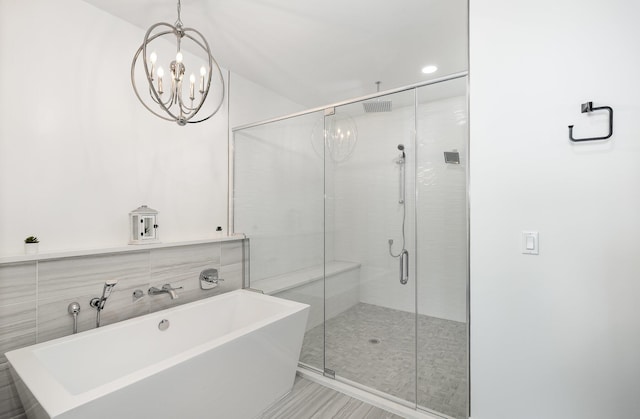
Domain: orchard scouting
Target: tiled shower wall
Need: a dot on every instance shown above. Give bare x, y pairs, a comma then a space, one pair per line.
34, 295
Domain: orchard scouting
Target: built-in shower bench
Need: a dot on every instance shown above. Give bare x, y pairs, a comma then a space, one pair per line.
340, 292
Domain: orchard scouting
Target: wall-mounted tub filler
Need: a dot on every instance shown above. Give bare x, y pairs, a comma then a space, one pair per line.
74, 309
209, 279
99, 302
166, 289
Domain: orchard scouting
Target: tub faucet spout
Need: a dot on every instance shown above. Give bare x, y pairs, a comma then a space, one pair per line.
166, 289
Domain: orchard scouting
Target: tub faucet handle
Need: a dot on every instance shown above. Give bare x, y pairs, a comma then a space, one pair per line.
209, 279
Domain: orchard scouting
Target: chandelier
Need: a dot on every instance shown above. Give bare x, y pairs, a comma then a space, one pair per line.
335, 137
166, 93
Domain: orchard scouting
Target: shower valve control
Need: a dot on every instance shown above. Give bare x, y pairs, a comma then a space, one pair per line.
530, 243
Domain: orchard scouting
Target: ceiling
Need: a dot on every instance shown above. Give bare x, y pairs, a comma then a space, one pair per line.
319, 52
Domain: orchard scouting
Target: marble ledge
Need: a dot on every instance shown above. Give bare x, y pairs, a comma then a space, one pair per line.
103, 251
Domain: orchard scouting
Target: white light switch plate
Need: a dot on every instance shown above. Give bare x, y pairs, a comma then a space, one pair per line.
530, 244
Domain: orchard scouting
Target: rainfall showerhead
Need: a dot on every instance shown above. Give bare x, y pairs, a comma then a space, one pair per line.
377, 105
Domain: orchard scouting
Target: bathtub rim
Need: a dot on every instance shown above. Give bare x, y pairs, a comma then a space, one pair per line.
55, 399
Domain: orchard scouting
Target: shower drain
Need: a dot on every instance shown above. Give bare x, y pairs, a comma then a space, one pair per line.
374, 341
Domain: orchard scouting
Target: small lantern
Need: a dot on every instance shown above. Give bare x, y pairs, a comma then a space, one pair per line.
143, 225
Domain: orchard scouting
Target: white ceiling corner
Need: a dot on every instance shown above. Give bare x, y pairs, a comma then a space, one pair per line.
316, 53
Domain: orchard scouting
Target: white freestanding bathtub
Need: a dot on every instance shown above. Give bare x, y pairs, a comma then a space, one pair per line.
229, 356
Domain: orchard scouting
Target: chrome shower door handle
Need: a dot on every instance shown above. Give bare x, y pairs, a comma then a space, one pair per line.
404, 266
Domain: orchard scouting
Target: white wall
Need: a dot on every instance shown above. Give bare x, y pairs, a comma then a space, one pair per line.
77, 149
251, 102
554, 335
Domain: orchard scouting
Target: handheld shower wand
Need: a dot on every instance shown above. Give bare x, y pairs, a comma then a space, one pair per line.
401, 148
98, 302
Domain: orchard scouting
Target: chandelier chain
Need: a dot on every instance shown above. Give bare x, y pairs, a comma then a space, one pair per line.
179, 21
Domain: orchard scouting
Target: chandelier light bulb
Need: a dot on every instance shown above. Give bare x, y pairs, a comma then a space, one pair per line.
160, 75
192, 86
153, 58
179, 57
203, 72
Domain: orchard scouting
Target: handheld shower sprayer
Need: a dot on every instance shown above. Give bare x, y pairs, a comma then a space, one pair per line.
401, 148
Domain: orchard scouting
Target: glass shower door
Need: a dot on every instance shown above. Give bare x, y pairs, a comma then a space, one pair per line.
370, 315
278, 197
441, 226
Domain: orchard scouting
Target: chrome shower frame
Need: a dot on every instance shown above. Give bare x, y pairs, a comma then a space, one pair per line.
312, 372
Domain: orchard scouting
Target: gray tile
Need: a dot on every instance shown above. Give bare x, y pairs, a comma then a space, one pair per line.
177, 263
231, 253
231, 269
390, 365
309, 400
81, 279
10, 406
64, 278
54, 321
17, 327
181, 267
17, 283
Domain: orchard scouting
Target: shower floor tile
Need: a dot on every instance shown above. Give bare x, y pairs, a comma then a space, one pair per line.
375, 346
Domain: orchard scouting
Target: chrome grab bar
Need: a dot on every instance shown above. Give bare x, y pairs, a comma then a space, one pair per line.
404, 266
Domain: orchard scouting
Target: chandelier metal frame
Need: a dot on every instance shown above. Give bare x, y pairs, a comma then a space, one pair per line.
184, 112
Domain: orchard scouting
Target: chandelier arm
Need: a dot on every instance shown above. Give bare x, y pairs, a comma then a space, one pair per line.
189, 108
147, 40
135, 89
186, 110
212, 62
154, 94
154, 99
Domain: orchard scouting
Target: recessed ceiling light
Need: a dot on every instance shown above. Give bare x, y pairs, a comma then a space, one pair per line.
429, 69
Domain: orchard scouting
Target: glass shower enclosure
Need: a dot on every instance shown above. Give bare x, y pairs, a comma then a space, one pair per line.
360, 210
